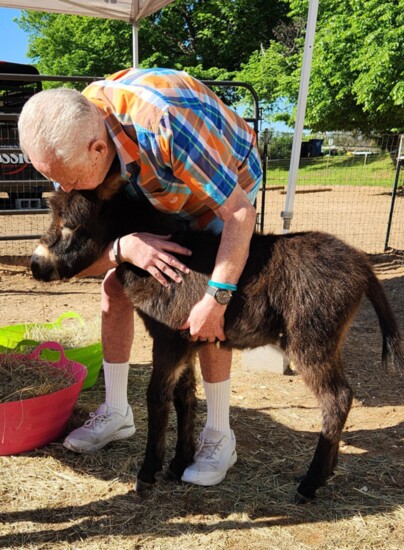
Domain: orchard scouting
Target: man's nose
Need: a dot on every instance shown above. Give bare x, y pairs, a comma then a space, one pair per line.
66, 187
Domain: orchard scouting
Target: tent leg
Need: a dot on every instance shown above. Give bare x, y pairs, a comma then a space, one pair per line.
135, 44
287, 214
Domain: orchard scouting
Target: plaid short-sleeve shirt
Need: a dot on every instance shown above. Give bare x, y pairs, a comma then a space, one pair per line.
184, 147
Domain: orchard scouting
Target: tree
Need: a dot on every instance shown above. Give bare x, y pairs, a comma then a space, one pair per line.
209, 37
73, 45
357, 79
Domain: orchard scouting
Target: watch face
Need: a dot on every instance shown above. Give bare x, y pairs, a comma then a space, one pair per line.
223, 297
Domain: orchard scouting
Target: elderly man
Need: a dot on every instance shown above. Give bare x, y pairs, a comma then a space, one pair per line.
180, 148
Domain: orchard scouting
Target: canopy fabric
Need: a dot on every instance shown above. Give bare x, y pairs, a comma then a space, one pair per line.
127, 10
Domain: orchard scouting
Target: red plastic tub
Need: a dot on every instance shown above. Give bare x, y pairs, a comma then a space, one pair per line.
32, 423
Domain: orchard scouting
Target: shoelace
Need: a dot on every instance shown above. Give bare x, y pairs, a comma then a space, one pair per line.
206, 449
94, 418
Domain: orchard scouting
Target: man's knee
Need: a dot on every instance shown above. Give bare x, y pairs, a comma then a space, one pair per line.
111, 288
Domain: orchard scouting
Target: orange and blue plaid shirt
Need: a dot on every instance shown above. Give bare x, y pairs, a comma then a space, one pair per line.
177, 141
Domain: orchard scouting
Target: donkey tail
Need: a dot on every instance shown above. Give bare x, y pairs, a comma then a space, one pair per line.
392, 345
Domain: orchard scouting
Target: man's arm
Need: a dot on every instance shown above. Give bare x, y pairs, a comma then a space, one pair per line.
206, 320
239, 218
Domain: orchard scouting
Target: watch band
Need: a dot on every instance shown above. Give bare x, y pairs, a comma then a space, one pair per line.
211, 291
224, 286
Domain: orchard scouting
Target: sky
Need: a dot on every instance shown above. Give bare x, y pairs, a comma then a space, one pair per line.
13, 41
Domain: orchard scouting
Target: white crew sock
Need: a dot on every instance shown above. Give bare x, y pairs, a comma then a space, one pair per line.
116, 386
218, 405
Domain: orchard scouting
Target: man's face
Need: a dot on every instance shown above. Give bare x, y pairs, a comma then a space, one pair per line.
89, 173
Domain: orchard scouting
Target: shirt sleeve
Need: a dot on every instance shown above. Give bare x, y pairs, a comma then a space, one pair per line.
198, 155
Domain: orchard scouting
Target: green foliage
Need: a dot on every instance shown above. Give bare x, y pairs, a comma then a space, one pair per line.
357, 79
280, 146
73, 45
209, 33
213, 37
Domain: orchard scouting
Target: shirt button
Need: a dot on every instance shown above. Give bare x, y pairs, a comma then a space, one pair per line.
174, 199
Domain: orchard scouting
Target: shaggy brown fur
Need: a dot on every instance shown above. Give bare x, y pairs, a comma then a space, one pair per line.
300, 291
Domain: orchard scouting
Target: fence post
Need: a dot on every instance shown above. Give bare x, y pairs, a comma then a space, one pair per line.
264, 177
400, 159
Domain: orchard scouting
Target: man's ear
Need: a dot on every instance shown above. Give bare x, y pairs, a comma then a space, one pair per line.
98, 146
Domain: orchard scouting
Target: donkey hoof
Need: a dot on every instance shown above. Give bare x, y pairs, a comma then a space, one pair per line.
170, 475
143, 487
301, 499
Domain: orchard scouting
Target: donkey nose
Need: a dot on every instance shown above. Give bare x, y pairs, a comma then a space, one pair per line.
42, 269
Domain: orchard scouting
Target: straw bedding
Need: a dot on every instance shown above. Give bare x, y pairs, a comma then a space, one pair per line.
26, 378
70, 334
53, 499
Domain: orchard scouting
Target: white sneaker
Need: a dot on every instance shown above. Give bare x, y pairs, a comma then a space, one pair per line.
215, 454
102, 427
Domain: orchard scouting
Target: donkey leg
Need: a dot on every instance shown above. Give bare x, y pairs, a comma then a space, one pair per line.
335, 397
185, 403
158, 405
168, 363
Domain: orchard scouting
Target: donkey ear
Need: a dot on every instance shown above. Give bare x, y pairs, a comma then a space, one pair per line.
112, 184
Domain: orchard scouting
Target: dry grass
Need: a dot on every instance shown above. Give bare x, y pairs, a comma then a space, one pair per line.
24, 378
72, 333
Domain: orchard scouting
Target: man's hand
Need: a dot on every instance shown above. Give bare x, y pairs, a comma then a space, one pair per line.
206, 321
152, 253
148, 251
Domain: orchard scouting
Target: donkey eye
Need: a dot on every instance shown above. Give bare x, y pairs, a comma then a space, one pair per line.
67, 232
68, 226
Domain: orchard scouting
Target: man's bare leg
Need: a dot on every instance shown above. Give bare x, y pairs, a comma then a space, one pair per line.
117, 338
113, 420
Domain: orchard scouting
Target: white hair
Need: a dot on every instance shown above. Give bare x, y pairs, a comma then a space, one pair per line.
60, 122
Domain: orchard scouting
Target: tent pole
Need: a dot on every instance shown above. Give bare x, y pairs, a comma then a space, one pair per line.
135, 43
287, 214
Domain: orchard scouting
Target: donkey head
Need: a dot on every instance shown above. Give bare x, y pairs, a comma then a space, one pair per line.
75, 237
83, 223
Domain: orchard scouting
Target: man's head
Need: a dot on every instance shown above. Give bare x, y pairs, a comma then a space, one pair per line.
64, 136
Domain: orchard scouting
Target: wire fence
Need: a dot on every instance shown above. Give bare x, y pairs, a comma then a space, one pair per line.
347, 184
353, 188
348, 195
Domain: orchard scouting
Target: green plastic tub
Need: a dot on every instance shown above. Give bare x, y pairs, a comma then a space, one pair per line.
14, 337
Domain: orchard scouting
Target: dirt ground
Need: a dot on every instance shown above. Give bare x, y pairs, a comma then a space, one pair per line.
52, 498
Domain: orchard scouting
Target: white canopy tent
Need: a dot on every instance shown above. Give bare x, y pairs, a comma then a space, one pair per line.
134, 10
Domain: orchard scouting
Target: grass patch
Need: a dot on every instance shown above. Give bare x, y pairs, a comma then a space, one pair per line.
378, 171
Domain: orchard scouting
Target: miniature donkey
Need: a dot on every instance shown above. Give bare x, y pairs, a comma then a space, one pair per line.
300, 291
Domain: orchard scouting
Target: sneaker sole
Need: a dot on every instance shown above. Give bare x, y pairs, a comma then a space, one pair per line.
215, 480
121, 434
